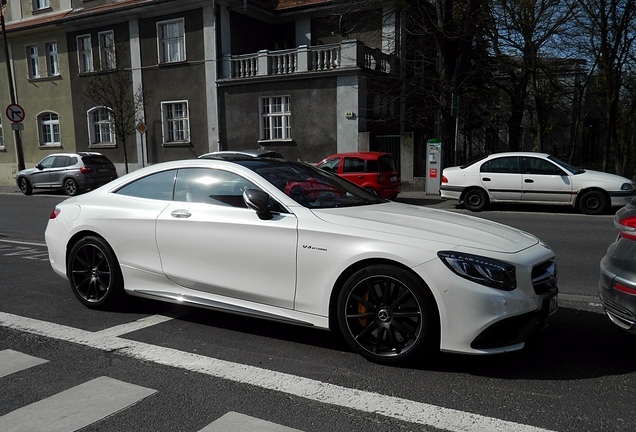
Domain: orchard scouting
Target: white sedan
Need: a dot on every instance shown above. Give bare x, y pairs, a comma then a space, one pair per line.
286, 241
533, 178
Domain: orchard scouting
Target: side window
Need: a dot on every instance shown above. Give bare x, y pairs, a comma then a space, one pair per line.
157, 186
211, 186
352, 165
504, 165
533, 165
47, 162
331, 165
61, 161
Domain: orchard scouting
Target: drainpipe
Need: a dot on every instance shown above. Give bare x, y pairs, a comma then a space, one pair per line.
18, 137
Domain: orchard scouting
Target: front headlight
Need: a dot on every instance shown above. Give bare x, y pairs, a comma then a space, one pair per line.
627, 186
481, 270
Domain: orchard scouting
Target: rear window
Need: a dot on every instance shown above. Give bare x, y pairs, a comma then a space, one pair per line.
96, 160
387, 163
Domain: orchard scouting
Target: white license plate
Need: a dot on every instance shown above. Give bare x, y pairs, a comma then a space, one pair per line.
392, 179
554, 304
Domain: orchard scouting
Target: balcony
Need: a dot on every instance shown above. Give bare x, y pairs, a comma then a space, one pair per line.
304, 59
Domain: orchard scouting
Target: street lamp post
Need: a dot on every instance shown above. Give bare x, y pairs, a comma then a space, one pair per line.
18, 136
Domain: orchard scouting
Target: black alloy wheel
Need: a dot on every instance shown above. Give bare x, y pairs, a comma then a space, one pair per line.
70, 187
387, 316
475, 200
592, 202
94, 273
25, 186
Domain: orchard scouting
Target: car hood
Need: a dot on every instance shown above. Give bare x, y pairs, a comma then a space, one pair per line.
601, 177
453, 229
26, 171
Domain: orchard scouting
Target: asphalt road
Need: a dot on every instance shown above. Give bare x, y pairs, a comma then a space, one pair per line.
158, 367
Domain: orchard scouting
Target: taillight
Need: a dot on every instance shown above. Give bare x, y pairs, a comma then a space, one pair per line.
444, 179
55, 213
624, 289
380, 178
86, 170
627, 227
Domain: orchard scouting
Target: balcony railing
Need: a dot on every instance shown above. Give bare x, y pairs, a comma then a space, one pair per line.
347, 54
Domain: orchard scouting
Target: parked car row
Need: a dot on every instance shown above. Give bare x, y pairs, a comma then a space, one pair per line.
341, 256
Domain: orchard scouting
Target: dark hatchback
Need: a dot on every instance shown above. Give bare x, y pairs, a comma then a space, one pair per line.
617, 286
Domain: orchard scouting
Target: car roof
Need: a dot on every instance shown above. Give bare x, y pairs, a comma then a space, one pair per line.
362, 155
225, 154
521, 154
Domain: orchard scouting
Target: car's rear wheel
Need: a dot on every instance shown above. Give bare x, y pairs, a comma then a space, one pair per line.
593, 202
25, 186
475, 200
70, 187
94, 273
387, 315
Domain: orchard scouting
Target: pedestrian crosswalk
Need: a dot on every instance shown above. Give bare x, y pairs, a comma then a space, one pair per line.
92, 401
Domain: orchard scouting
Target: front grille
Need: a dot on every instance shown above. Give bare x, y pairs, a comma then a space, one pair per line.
544, 277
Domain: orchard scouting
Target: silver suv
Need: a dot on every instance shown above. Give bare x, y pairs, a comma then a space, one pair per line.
71, 172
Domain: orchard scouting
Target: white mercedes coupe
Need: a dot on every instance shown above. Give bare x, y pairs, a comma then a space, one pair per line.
289, 242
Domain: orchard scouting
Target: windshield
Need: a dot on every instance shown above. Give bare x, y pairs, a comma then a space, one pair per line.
566, 166
312, 187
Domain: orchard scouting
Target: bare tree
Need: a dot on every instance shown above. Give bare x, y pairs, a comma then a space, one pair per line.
609, 25
112, 88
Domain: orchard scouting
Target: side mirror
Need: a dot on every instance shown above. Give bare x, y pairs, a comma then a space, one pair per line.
38, 166
258, 200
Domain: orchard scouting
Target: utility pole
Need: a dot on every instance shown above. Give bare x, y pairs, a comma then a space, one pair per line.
18, 136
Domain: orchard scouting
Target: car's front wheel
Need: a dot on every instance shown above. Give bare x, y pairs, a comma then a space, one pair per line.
387, 315
94, 273
593, 202
475, 200
70, 187
25, 186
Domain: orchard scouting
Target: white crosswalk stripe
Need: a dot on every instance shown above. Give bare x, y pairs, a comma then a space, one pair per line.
95, 400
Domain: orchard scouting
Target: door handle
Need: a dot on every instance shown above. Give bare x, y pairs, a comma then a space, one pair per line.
361, 177
180, 214
486, 179
529, 181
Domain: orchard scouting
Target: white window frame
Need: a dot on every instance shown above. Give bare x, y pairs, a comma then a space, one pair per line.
52, 62
34, 62
101, 131
176, 122
49, 127
41, 4
276, 118
84, 54
107, 58
171, 47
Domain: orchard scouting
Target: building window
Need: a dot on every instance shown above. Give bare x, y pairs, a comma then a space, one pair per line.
85, 54
41, 4
276, 118
34, 68
49, 129
101, 127
176, 124
171, 38
107, 50
52, 64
